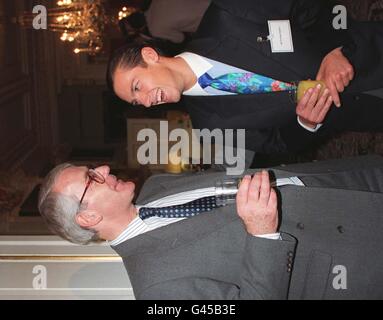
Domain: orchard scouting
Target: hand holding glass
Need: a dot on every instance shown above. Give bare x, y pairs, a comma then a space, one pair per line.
304, 85
226, 190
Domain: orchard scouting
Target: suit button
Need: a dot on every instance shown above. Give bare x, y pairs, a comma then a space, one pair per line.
290, 253
300, 225
261, 39
356, 98
288, 270
340, 229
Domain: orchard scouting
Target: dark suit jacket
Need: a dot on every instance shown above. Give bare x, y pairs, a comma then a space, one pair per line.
228, 34
333, 223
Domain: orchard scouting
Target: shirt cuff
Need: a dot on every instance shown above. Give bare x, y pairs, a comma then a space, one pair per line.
308, 128
272, 236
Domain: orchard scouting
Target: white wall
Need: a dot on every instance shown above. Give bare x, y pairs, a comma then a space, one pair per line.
46, 267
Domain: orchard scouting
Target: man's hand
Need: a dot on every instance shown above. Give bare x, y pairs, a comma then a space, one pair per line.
337, 72
257, 204
311, 110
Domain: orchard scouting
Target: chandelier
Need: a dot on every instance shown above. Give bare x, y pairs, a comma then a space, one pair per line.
81, 22
124, 12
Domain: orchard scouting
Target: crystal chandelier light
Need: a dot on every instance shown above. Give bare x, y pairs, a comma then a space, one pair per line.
124, 12
79, 21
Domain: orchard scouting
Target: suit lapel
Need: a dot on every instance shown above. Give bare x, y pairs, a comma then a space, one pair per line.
153, 252
245, 54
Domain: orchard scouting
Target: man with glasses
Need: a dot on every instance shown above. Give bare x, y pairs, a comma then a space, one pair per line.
91, 192
315, 236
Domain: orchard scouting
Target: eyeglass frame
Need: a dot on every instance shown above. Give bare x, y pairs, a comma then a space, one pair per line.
92, 175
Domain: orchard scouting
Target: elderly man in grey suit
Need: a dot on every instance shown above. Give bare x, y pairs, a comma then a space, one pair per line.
317, 237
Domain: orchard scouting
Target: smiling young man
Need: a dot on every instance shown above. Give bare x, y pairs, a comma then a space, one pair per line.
154, 80
232, 40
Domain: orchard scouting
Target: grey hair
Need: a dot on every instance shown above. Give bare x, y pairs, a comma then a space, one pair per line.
59, 211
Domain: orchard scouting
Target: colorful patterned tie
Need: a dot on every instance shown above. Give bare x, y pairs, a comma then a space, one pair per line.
244, 83
188, 209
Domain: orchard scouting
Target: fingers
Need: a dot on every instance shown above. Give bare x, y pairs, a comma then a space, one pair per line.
327, 105
321, 108
337, 72
313, 98
242, 193
265, 188
347, 75
257, 204
255, 190
338, 81
345, 79
334, 93
306, 108
349, 70
273, 201
259, 190
301, 107
308, 101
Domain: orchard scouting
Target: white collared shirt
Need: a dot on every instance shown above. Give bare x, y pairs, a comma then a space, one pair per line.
139, 226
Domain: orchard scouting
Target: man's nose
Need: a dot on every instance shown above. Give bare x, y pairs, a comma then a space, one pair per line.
104, 170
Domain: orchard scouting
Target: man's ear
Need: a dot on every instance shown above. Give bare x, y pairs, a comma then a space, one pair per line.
88, 218
149, 55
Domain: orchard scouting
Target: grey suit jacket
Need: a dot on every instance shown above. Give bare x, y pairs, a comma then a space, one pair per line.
331, 247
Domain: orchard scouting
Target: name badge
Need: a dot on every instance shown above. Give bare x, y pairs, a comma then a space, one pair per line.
280, 36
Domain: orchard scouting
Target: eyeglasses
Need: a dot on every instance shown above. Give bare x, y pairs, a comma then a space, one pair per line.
92, 175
